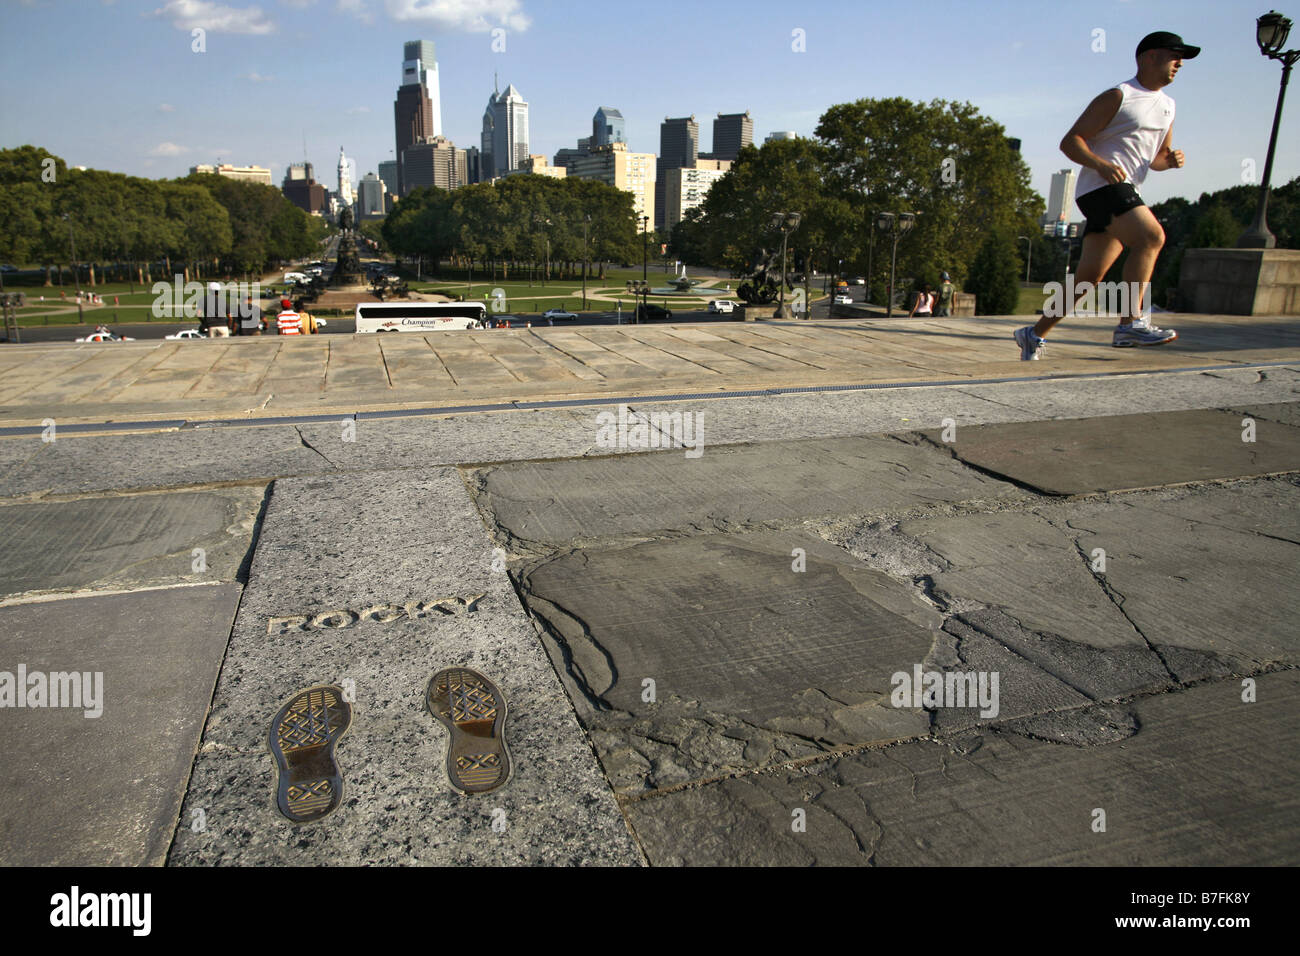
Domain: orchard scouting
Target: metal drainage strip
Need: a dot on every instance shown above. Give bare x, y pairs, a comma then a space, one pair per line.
187, 425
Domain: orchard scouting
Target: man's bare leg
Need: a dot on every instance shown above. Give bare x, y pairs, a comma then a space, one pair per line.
1144, 237
1100, 250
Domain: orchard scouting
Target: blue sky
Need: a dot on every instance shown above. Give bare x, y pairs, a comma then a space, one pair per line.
115, 84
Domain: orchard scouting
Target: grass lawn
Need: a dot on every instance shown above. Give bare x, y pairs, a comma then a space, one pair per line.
1031, 301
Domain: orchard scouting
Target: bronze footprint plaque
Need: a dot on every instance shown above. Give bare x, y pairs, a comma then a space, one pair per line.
302, 741
474, 712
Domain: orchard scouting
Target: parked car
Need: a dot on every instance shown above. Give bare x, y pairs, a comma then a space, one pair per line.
860, 281
843, 300
106, 337
296, 277
650, 311
185, 334
721, 307
558, 314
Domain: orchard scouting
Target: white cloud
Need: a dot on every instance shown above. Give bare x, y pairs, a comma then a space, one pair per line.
166, 108
474, 16
215, 17
168, 149
256, 77
357, 109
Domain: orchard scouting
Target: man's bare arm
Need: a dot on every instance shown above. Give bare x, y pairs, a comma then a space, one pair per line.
1094, 119
1168, 157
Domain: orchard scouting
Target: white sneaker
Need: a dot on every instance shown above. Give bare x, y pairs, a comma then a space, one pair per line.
1141, 332
1031, 346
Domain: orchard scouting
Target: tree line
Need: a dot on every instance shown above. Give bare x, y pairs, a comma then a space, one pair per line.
945, 162
200, 225
517, 223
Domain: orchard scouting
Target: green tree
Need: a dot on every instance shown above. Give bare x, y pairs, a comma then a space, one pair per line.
944, 161
993, 276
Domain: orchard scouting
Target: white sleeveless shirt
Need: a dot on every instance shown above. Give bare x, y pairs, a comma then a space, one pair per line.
1134, 136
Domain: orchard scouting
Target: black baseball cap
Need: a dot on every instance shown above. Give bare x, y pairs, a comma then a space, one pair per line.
1164, 40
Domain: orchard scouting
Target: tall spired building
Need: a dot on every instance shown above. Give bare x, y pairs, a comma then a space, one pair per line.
345, 180
417, 113
504, 141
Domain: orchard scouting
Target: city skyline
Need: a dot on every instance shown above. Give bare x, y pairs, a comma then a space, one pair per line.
243, 102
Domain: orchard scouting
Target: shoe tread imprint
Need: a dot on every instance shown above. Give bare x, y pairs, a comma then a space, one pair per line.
302, 741
474, 711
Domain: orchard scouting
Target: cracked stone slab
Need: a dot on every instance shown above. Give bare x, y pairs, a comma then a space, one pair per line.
126, 542
1214, 573
1194, 778
1288, 413
1126, 452
559, 504
691, 657
77, 464
1125, 395
106, 790
375, 583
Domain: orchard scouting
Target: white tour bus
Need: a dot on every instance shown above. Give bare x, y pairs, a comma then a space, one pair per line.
420, 316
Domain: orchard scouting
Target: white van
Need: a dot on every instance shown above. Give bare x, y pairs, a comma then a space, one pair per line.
296, 277
721, 307
420, 316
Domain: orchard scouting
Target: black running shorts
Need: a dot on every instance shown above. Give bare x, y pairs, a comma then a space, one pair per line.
1102, 205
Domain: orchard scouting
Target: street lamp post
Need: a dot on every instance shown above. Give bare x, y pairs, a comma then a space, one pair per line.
639, 289
1271, 32
787, 223
76, 272
586, 222
1029, 254
645, 247
896, 225
871, 249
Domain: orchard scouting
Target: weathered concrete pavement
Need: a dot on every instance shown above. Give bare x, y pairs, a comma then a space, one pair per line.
699, 650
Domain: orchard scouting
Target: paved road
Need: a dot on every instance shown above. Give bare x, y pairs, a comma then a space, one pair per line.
150, 331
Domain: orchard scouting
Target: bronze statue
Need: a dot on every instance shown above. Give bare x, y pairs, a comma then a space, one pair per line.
763, 284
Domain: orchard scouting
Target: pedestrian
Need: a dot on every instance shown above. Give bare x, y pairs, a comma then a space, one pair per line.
924, 304
307, 320
250, 319
1124, 133
947, 291
287, 321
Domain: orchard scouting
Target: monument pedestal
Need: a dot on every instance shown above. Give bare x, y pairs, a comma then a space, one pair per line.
1240, 282
755, 313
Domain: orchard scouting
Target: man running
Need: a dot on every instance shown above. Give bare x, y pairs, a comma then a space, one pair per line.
1123, 133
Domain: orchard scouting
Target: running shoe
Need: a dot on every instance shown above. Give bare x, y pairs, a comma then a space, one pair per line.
1141, 332
1031, 346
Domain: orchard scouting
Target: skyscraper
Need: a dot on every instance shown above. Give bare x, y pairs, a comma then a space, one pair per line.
419, 66
416, 115
370, 197
607, 127
1061, 199
504, 141
389, 175
731, 133
679, 147
615, 166
437, 163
